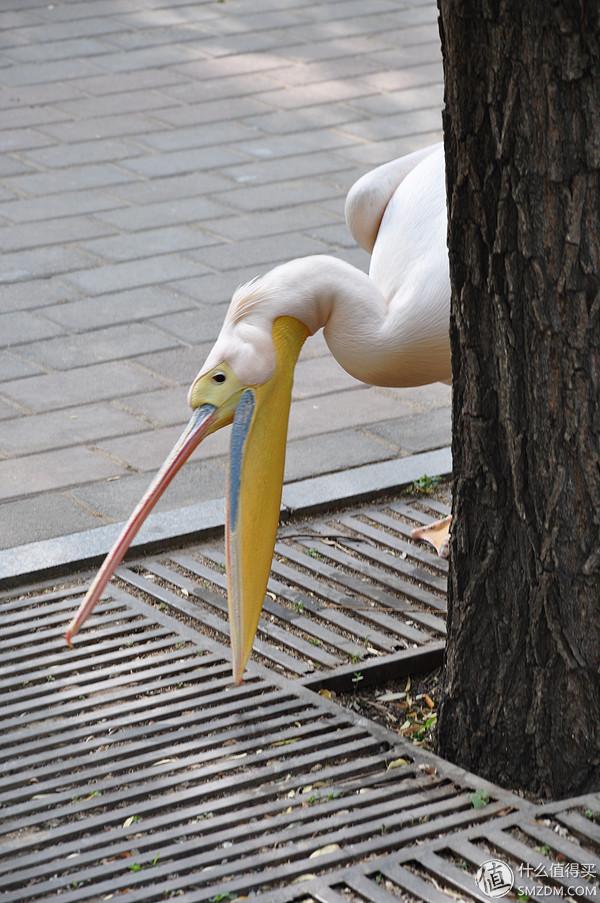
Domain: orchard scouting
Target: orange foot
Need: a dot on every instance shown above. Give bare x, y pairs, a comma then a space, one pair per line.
437, 533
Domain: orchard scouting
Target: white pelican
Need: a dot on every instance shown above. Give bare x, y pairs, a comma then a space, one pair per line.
389, 328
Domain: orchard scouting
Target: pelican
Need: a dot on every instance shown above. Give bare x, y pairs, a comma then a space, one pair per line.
388, 328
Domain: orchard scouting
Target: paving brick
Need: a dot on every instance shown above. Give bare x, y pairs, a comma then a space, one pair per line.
123, 307
35, 293
146, 451
320, 93
183, 161
377, 152
419, 432
162, 407
179, 364
41, 262
166, 213
83, 152
141, 80
43, 516
196, 326
401, 79
11, 166
127, 102
379, 128
194, 483
213, 111
114, 343
121, 276
83, 384
40, 73
22, 139
149, 243
38, 94
152, 56
51, 232
70, 426
105, 127
53, 470
242, 64
77, 28
319, 140
267, 171
68, 203
283, 194
310, 381
179, 139
400, 101
261, 252
21, 327
172, 188
340, 410
307, 216
13, 367
9, 410
75, 178
22, 117
334, 451
58, 50
227, 86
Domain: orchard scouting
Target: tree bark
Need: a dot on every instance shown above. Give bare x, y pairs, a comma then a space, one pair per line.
521, 699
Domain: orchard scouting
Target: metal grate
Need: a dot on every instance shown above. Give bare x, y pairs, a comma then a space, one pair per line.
346, 592
131, 764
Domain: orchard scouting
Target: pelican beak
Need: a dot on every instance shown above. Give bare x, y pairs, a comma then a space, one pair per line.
198, 427
256, 470
260, 419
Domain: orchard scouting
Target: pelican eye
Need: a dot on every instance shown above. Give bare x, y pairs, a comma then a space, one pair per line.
219, 378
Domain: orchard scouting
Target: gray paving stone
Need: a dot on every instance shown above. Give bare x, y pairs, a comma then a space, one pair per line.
35, 293
83, 152
82, 384
22, 117
34, 263
284, 194
328, 413
122, 276
40, 73
123, 307
227, 86
42, 516
104, 127
166, 213
75, 178
213, 111
162, 407
68, 203
149, 243
126, 81
183, 161
70, 426
268, 171
11, 166
274, 222
115, 342
171, 188
413, 123
179, 364
14, 367
22, 139
334, 451
194, 483
58, 50
53, 470
197, 326
267, 146
259, 252
50, 232
16, 328
419, 432
330, 377
146, 451
180, 139
407, 100
128, 102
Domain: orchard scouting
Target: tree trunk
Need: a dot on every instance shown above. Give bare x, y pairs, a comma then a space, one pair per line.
521, 699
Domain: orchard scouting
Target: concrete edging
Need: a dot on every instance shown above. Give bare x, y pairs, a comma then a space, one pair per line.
53, 557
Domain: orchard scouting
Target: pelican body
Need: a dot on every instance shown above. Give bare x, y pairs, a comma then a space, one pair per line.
389, 328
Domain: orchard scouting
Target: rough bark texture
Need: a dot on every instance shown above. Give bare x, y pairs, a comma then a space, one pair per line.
522, 139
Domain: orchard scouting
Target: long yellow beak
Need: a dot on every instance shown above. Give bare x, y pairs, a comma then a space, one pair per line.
257, 463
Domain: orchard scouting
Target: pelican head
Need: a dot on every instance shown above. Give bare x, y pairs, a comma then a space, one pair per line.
246, 381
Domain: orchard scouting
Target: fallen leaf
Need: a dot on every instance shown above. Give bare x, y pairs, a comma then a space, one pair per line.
323, 851
397, 763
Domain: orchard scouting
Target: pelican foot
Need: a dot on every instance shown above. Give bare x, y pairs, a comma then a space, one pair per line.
437, 533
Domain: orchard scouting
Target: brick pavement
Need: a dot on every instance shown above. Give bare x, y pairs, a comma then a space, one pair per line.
155, 154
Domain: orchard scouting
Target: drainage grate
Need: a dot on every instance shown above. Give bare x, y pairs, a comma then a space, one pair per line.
132, 765
347, 592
